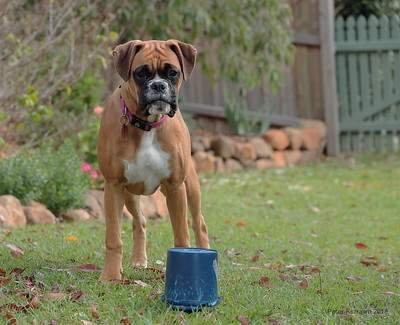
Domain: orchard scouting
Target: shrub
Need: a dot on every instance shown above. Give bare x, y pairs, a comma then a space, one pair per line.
52, 177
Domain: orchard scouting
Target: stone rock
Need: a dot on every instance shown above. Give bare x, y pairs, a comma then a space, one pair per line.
277, 138
310, 156
219, 165
223, 147
76, 215
295, 138
232, 165
264, 163
11, 212
37, 214
204, 162
279, 159
94, 203
245, 152
154, 206
197, 146
313, 138
292, 157
263, 149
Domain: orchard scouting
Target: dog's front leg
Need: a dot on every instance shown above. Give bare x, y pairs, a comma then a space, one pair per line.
177, 208
113, 204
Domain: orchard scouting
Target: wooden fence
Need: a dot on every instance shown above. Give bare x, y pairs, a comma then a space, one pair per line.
300, 96
368, 79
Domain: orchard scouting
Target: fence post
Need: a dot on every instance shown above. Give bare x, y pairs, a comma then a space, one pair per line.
330, 101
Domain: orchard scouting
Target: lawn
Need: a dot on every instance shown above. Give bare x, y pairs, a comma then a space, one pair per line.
287, 251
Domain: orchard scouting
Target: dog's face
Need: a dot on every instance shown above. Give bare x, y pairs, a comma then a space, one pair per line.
155, 70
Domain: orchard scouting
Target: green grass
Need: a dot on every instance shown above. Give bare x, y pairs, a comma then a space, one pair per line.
311, 215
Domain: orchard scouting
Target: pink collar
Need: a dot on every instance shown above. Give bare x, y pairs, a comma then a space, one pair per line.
129, 118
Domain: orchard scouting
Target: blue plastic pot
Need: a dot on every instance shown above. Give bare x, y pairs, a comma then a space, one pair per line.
191, 281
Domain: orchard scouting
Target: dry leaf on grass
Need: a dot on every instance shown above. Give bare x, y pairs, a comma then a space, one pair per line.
125, 321
55, 296
243, 320
353, 278
71, 238
16, 271
15, 250
303, 284
94, 312
391, 293
265, 282
369, 261
2, 272
241, 224
360, 246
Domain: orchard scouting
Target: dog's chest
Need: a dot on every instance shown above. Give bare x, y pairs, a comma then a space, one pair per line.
151, 164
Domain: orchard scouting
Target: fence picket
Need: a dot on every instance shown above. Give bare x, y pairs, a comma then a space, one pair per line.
368, 76
342, 79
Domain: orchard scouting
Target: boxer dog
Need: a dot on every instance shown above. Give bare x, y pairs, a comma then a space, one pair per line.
144, 144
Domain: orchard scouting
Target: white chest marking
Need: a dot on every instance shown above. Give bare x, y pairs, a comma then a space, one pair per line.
150, 165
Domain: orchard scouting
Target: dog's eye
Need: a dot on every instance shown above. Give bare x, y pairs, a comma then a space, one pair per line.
142, 73
172, 73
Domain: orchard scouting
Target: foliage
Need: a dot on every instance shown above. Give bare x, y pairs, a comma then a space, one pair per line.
244, 41
263, 226
50, 176
241, 120
45, 49
367, 7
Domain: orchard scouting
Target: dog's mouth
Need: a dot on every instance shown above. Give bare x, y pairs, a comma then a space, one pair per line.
159, 107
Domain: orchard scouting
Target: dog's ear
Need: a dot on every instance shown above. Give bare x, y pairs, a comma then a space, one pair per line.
186, 54
123, 55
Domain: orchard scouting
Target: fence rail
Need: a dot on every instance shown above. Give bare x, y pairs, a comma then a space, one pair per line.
368, 80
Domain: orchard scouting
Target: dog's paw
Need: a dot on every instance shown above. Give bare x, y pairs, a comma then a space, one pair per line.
139, 263
109, 277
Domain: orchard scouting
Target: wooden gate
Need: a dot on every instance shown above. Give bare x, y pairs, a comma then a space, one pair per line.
368, 80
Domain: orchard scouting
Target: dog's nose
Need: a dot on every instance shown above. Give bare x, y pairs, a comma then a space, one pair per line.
158, 86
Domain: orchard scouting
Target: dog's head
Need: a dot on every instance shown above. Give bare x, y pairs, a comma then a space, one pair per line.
155, 70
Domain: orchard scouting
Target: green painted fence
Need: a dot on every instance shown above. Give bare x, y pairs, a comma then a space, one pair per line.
368, 80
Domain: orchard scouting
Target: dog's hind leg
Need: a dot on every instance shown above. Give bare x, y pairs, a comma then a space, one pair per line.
139, 256
194, 201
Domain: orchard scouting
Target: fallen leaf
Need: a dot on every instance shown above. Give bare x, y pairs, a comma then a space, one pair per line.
15, 250
241, 224
231, 252
94, 312
303, 284
77, 295
55, 296
71, 238
11, 320
255, 258
360, 246
34, 302
141, 283
86, 322
315, 209
353, 278
155, 294
53, 322
2, 272
274, 266
284, 277
4, 281
243, 320
369, 261
125, 321
391, 293
88, 268
265, 282
382, 268
315, 269
16, 271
